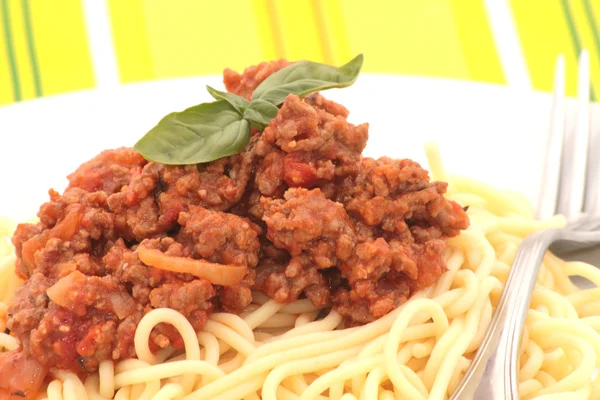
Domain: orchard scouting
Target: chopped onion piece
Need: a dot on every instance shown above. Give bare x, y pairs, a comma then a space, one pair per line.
218, 274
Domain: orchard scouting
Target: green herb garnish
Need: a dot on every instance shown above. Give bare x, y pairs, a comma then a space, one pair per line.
209, 131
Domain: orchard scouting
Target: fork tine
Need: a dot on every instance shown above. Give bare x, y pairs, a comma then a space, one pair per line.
592, 184
551, 173
575, 150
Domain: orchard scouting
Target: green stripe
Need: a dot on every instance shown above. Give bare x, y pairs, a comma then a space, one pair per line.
571, 24
589, 13
31, 48
10, 52
574, 36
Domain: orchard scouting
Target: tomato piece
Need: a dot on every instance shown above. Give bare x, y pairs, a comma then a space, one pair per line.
66, 228
63, 230
20, 376
30, 247
298, 173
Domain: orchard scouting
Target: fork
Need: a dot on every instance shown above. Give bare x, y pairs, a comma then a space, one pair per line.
569, 187
571, 179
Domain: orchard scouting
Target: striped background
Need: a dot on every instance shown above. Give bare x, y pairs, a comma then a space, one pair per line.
57, 46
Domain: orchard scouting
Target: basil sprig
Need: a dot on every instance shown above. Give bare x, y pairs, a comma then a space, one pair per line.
210, 131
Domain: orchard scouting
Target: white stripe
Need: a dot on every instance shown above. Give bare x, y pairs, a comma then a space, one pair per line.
507, 41
100, 38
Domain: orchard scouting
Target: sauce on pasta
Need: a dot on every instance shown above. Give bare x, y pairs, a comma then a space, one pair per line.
299, 214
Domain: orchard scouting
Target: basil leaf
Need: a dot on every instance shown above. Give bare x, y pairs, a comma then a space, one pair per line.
306, 77
238, 102
260, 113
200, 134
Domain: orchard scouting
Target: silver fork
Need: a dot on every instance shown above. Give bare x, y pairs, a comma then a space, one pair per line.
571, 179
569, 187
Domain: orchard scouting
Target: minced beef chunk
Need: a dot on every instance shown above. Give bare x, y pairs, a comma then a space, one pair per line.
227, 239
72, 322
319, 146
107, 172
316, 232
298, 213
310, 227
73, 230
309, 144
245, 83
150, 205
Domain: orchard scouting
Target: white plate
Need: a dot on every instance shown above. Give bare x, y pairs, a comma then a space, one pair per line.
490, 132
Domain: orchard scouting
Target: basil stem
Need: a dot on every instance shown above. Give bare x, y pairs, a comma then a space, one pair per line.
238, 102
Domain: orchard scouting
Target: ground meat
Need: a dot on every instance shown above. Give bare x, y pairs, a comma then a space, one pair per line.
73, 229
245, 83
383, 177
320, 145
136, 209
28, 307
305, 223
70, 323
393, 244
219, 237
316, 232
369, 300
22, 234
368, 261
235, 298
124, 264
188, 298
108, 172
152, 287
396, 196
309, 144
151, 204
402, 221
271, 261
333, 108
286, 282
269, 180
227, 239
382, 276
213, 236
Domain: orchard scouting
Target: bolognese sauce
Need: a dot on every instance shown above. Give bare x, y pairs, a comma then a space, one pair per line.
300, 213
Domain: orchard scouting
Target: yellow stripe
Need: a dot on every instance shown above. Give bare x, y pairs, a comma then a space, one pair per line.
323, 32
6, 87
544, 35
21, 51
131, 40
299, 30
584, 30
476, 39
406, 37
200, 37
275, 27
61, 43
596, 10
595, 6
268, 46
336, 30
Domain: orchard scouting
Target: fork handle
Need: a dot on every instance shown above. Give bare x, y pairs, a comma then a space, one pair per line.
493, 372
